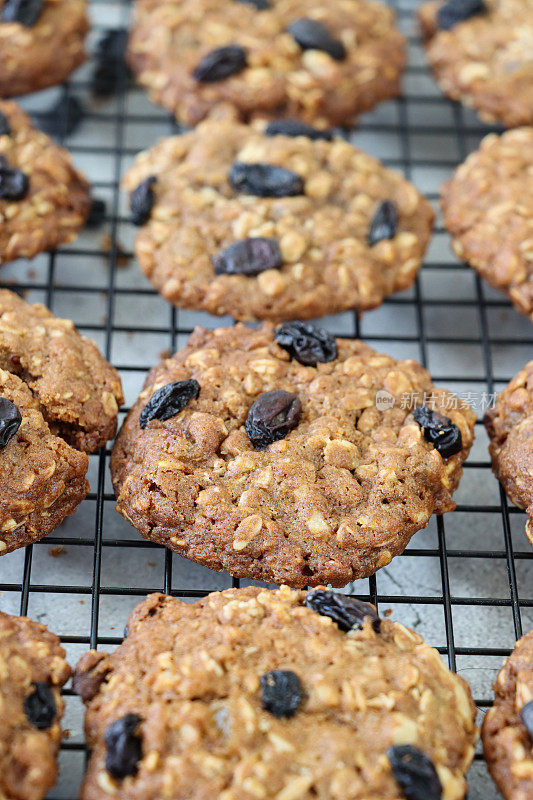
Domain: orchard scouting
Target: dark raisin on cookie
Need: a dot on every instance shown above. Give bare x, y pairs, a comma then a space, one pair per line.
439, 430
169, 400
455, 11
526, 715
312, 35
282, 692
293, 127
40, 706
110, 62
260, 5
142, 201
248, 257
346, 611
124, 746
14, 184
271, 417
63, 118
384, 223
265, 180
5, 127
25, 12
220, 64
307, 343
414, 772
10, 419
97, 213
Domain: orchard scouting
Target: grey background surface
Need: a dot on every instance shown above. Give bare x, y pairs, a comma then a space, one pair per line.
453, 583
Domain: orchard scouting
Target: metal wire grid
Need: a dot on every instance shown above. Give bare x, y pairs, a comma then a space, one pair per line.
472, 568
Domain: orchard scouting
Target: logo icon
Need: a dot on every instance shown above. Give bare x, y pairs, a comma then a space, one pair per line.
384, 400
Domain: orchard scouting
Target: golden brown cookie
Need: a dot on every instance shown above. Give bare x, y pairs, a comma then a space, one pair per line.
282, 695
508, 726
33, 670
41, 43
42, 477
237, 221
510, 428
78, 391
323, 62
310, 462
481, 53
488, 211
58, 396
44, 201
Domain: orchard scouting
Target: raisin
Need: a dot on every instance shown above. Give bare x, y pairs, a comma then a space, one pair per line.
142, 201
110, 63
293, 127
220, 64
25, 12
10, 419
282, 692
265, 180
112, 45
40, 706
63, 118
415, 773
384, 222
14, 184
124, 747
261, 5
97, 214
308, 344
439, 430
248, 257
169, 400
312, 35
5, 127
346, 611
527, 717
271, 417
455, 11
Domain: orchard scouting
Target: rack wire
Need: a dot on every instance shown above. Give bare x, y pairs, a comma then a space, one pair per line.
464, 583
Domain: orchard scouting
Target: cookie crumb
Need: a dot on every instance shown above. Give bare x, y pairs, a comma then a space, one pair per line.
122, 257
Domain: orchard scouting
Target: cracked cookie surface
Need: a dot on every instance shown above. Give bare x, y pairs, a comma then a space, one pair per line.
45, 53
327, 261
510, 428
57, 203
507, 743
29, 655
485, 61
488, 211
170, 39
191, 673
334, 500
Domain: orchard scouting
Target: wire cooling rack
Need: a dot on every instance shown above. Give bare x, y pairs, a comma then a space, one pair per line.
464, 583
